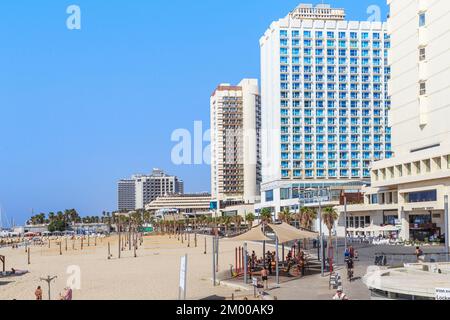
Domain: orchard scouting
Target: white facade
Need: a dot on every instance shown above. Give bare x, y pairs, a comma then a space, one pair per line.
235, 142
324, 101
412, 186
140, 190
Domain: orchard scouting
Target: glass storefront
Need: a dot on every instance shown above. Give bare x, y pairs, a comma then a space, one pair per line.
422, 227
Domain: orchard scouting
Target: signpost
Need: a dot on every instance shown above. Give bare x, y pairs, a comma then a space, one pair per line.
183, 278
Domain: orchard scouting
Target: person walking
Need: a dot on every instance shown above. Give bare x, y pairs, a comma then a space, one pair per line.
265, 278
269, 261
38, 293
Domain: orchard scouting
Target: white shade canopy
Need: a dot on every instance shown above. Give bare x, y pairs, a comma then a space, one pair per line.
288, 233
255, 234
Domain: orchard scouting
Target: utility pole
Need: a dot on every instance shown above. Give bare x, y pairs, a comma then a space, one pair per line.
49, 281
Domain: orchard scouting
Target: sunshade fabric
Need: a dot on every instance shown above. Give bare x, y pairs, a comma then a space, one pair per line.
288, 233
255, 234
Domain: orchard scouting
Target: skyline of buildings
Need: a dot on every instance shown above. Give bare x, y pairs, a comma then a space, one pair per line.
140, 190
324, 103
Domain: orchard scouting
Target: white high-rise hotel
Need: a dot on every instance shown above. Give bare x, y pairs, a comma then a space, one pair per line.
324, 102
409, 190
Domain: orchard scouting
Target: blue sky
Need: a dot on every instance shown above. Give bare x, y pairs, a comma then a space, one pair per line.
81, 109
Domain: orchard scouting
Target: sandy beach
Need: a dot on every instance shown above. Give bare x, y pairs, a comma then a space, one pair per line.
153, 275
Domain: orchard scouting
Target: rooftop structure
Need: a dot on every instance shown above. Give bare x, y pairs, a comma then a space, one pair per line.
319, 12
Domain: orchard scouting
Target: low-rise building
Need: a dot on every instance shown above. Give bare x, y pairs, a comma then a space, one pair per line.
188, 205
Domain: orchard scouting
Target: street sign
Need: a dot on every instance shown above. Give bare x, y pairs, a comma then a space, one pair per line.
442, 293
183, 271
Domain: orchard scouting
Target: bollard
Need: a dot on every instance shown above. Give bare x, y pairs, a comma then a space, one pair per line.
29, 261
109, 251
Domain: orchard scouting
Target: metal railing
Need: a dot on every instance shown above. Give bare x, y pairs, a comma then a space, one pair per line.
399, 259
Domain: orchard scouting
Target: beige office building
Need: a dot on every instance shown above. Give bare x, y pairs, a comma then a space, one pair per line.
409, 189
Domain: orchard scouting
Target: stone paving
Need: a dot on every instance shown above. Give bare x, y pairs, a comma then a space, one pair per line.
316, 287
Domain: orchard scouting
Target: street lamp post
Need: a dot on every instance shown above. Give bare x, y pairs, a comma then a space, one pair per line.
345, 222
316, 195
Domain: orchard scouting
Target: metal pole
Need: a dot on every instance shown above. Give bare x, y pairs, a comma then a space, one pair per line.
447, 236
214, 260
245, 262
217, 254
321, 239
264, 245
345, 222
337, 248
277, 261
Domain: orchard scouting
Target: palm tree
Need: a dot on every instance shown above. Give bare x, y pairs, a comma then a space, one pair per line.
285, 216
250, 218
51, 217
266, 215
226, 221
306, 217
329, 218
237, 223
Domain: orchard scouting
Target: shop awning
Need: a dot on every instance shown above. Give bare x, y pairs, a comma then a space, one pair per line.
288, 233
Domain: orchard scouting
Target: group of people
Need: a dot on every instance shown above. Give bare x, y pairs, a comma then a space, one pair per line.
300, 260
269, 264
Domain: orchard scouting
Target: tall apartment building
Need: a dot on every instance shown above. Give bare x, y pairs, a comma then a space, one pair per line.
324, 103
140, 190
235, 142
126, 195
409, 190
